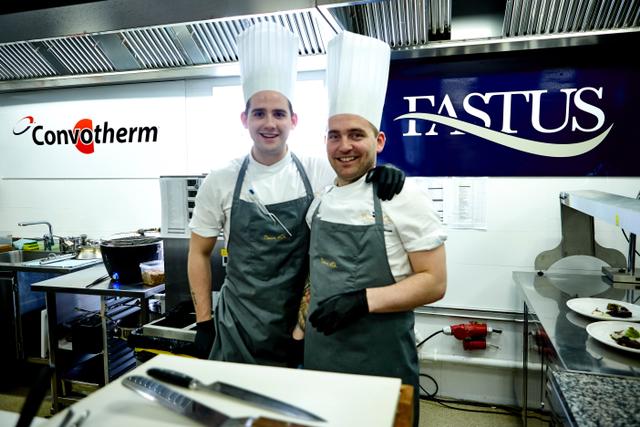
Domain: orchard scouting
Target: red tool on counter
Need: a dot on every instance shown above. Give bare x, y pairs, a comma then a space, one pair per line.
472, 334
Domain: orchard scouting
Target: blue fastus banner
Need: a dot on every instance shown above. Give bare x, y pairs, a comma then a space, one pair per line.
533, 114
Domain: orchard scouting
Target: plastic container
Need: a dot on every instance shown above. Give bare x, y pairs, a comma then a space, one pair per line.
152, 272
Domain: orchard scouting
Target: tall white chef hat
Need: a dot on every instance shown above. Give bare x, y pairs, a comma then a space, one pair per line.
267, 53
357, 74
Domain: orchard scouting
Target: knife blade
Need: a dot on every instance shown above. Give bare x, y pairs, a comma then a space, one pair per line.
179, 403
183, 380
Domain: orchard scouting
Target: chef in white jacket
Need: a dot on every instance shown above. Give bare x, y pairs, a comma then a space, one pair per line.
371, 261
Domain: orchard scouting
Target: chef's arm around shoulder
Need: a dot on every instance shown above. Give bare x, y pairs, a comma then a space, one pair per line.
427, 284
199, 271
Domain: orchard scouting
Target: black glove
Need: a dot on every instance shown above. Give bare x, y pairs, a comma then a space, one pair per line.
205, 334
389, 178
338, 311
295, 353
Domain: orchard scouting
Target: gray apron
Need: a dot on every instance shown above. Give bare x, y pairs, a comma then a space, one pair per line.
259, 299
344, 258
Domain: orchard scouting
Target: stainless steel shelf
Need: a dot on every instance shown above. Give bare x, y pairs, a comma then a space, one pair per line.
620, 211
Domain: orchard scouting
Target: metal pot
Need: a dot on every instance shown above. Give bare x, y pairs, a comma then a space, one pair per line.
88, 252
122, 256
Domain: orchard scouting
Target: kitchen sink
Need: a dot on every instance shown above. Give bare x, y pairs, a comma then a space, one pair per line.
18, 257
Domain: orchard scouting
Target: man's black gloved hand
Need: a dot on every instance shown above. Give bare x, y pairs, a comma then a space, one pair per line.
338, 311
390, 180
205, 334
295, 353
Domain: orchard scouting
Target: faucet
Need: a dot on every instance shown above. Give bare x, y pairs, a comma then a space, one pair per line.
48, 238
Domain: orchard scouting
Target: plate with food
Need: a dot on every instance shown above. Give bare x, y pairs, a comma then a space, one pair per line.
621, 335
605, 309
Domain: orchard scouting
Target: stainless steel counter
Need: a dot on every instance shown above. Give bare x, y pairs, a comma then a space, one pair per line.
76, 283
546, 297
575, 367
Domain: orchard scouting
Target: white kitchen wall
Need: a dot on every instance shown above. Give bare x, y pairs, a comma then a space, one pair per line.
116, 188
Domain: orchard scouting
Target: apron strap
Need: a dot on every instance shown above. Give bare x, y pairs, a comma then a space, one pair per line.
377, 208
303, 175
240, 180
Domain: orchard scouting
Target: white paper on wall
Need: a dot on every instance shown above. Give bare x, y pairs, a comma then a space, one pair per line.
122, 131
460, 202
465, 203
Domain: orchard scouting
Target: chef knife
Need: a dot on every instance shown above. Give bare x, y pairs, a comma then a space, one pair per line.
184, 405
183, 380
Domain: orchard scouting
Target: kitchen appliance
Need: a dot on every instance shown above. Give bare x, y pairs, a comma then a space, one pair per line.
183, 380
122, 256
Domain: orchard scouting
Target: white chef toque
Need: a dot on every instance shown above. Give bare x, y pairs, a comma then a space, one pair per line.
357, 74
267, 53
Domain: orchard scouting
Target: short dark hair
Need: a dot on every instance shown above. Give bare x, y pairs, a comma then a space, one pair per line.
247, 107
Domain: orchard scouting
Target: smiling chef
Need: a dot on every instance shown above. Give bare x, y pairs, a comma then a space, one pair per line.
371, 262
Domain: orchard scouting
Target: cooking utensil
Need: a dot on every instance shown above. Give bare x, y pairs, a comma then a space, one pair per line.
183, 380
184, 405
122, 256
55, 258
88, 252
98, 281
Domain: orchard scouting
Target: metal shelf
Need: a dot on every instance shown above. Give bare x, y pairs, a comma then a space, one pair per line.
623, 212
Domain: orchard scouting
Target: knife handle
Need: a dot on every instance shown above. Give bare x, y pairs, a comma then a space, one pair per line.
270, 422
170, 376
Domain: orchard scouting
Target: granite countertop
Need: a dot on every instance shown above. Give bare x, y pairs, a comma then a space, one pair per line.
600, 400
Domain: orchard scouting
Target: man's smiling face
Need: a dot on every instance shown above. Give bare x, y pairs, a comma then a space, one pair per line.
269, 121
352, 146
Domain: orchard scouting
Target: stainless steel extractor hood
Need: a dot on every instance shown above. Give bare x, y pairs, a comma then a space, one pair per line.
116, 41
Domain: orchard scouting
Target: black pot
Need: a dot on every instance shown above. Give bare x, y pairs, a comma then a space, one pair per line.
122, 257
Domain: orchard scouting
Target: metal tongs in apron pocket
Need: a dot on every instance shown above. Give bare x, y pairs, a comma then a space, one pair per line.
262, 208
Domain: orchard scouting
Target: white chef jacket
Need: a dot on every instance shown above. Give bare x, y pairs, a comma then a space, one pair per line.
410, 222
276, 183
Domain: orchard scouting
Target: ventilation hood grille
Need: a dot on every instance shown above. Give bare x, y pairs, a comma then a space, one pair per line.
408, 24
212, 42
175, 45
553, 17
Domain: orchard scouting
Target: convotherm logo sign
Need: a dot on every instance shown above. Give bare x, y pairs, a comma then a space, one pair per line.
84, 136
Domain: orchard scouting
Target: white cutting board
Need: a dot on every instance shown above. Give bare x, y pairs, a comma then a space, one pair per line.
343, 400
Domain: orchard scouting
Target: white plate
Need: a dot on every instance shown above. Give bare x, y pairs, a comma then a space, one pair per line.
601, 331
587, 306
